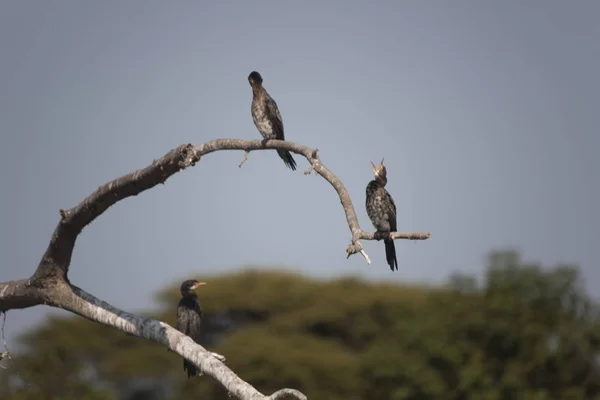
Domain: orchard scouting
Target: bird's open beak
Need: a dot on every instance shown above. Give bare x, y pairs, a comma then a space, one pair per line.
374, 167
198, 284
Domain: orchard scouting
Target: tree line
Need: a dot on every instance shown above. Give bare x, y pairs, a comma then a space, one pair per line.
524, 332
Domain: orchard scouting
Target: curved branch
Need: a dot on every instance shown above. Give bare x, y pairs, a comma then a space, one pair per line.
50, 284
57, 258
75, 219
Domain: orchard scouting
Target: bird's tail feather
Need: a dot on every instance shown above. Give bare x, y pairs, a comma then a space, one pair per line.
287, 158
390, 254
190, 368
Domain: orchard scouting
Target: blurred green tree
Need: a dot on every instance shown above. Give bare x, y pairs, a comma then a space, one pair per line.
525, 333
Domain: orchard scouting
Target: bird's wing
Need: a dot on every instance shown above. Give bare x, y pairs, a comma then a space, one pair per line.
275, 118
198, 309
181, 321
391, 211
196, 321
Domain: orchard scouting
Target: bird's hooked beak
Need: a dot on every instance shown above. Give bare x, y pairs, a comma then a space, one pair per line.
196, 284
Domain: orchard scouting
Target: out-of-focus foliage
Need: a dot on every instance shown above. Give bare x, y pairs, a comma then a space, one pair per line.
526, 333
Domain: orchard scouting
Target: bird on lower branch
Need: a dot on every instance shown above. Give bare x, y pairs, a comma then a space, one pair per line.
266, 116
189, 318
381, 209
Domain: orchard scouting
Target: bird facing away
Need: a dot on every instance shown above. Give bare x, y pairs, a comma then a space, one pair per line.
266, 117
381, 209
189, 318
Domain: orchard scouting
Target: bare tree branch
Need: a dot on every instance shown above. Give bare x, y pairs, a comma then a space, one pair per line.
19, 294
283, 393
50, 283
56, 260
395, 235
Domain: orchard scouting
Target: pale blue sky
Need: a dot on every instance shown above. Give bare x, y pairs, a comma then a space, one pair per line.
487, 113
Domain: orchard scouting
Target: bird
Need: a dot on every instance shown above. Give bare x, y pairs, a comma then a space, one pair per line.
267, 118
189, 318
381, 209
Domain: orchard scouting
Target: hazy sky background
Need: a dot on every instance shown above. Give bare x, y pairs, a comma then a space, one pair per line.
487, 114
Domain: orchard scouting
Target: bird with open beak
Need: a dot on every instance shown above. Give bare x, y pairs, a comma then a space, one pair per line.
381, 209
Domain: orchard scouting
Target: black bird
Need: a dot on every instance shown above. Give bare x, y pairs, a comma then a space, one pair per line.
189, 318
382, 210
266, 117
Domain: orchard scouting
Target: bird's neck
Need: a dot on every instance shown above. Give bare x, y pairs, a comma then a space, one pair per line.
378, 183
190, 295
258, 91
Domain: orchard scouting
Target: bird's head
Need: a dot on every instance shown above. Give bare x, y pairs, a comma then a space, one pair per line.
254, 78
380, 172
190, 285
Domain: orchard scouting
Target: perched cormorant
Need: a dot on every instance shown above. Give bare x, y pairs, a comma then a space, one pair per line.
189, 318
266, 117
382, 210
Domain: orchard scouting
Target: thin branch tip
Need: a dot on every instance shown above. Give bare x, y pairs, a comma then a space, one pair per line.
355, 248
349, 251
245, 158
366, 256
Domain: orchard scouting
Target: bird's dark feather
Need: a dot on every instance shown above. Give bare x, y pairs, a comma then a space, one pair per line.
268, 121
272, 113
189, 322
381, 209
